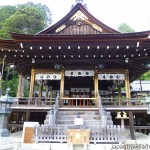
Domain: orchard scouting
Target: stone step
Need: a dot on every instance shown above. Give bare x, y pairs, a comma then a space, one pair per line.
78, 112
109, 122
86, 117
71, 122
109, 117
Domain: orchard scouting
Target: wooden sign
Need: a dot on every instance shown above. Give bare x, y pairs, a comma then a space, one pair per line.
78, 136
28, 132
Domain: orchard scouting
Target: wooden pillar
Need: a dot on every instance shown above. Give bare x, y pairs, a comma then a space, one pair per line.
96, 87
131, 124
119, 94
40, 89
19, 86
127, 86
62, 87
47, 90
20, 91
51, 93
27, 115
32, 83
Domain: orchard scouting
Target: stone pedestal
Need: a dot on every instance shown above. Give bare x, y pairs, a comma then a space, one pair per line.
5, 140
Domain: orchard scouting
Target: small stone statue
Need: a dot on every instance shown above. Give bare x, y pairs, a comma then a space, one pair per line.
124, 114
118, 114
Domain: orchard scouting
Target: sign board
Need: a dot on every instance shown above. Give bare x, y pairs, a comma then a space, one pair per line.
78, 136
28, 132
111, 76
78, 121
79, 73
47, 76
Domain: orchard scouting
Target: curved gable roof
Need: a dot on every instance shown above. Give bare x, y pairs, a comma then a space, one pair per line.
81, 20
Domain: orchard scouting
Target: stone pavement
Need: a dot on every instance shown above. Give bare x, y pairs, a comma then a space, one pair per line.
140, 139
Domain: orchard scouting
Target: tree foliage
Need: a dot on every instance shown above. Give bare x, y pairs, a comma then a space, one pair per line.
10, 79
145, 76
5, 13
124, 28
28, 18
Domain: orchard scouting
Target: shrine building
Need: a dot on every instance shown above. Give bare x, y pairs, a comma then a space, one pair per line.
83, 63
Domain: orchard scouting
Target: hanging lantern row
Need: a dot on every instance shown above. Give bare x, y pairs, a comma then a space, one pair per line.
53, 76
111, 76
88, 47
79, 56
78, 73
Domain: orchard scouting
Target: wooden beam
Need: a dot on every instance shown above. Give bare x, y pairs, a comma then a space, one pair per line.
46, 71
131, 123
112, 71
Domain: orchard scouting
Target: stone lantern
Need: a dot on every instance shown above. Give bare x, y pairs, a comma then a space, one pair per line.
5, 103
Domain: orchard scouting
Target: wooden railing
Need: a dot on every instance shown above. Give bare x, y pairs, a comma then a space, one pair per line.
76, 101
123, 101
98, 134
14, 127
79, 101
34, 101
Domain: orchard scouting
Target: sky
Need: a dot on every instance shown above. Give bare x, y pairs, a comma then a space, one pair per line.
135, 13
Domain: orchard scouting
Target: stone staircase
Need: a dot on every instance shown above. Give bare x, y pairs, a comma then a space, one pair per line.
90, 116
66, 117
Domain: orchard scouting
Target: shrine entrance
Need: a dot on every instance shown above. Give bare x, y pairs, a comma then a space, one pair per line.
79, 87
78, 91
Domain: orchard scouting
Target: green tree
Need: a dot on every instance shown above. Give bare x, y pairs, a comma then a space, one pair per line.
124, 28
5, 13
10, 79
29, 18
145, 76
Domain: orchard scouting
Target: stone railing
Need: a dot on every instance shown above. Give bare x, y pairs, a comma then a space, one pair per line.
103, 114
98, 134
53, 111
50, 133
108, 133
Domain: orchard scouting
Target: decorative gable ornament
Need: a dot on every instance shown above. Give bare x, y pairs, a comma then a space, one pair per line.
78, 16
60, 28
